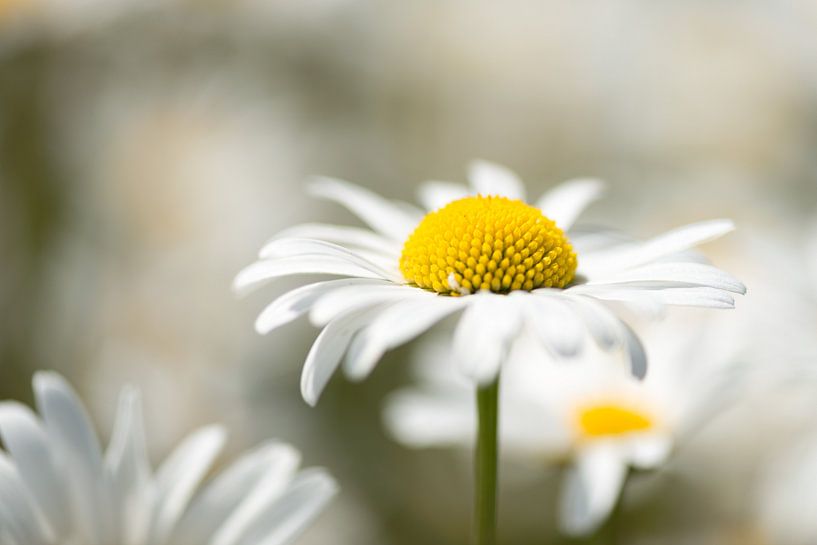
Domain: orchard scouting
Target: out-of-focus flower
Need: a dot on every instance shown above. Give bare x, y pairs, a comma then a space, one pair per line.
508, 265
58, 488
592, 414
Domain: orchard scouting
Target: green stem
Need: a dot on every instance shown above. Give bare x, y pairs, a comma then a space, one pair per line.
486, 462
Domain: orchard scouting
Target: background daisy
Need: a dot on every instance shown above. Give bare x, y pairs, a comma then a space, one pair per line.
591, 415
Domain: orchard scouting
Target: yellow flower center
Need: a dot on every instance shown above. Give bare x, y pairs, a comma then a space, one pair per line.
487, 243
607, 419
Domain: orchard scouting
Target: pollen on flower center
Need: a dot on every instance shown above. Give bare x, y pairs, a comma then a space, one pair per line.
487, 243
610, 419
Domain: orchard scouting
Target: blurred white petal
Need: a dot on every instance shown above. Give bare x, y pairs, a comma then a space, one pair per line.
565, 202
488, 179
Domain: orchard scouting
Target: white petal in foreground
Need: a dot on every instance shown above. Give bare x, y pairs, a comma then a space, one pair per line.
287, 518
180, 475
19, 516
564, 203
328, 350
299, 301
385, 217
226, 505
262, 272
27, 443
127, 462
71, 433
483, 335
397, 324
491, 179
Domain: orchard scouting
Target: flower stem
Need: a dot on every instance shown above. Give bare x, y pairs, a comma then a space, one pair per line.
486, 462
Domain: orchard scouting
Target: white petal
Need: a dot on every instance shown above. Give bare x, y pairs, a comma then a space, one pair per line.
555, 324
394, 326
591, 490
492, 179
354, 237
77, 446
307, 247
649, 451
635, 352
18, 513
669, 243
683, 273
422, 420
297, 302
178, 477
27, 443
261, 272
288, 517
565, 202
434, 195
327, 351
483, 335
610, 332
129, 467
345, 300
394, 221
221, 513
667, 295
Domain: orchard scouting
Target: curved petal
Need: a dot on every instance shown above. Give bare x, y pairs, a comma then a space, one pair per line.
685, 274
555, 324
434, 195
19, 515
664, 295
27, 442
669, 243
492, 179
396, 325
611, 332
591, 490
129, 467
344, 300
292, 513
222, 512
483, 334
70, 431
178, 477
328, 349
393, 221
261, 272
307, 247
297, 302
565, 202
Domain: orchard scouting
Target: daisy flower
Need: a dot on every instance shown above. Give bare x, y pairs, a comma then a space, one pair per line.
58, 488
480, 250
592, 416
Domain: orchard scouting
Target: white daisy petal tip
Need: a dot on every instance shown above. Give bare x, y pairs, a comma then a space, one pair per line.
488, 178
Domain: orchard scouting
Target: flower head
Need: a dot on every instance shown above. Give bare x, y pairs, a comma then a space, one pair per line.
58, 488
511, 267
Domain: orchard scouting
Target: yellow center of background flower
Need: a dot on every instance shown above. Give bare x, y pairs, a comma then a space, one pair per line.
610, 419
487, 243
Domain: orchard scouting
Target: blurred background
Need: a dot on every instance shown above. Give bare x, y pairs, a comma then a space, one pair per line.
149, 147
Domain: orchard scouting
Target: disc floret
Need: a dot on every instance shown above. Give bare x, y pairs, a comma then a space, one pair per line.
487, 244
